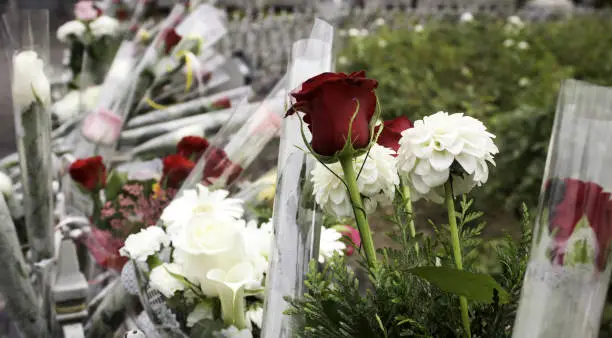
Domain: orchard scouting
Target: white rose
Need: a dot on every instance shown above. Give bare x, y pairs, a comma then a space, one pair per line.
145, 243
29, 80
70, 29
163, 281
6, 185
104, 26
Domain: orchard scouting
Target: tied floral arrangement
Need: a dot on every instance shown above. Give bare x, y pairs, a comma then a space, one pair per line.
132, 197
201, 270
93, 38
370, 168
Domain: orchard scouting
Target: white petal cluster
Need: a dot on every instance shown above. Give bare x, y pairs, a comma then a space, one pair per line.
428, 150
145, 243
330, 244
162, 279
104, 26
76, 102
30, 83
376, 181
71, 29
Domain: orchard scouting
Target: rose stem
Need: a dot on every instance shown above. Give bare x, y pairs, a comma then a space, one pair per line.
360, 216
452, 222
408, 205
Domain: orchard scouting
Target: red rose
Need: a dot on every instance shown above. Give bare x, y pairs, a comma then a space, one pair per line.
176, 169
329, 101
190, 146
218, 165
90, 173
223, 103
392, 132
577, 199
171, 39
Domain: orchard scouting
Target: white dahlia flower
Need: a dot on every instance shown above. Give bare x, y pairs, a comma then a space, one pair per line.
376, 181
428, 151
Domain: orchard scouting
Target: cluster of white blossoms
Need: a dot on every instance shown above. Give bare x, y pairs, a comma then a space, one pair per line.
213, 248
76, 30
429, 149
377, 178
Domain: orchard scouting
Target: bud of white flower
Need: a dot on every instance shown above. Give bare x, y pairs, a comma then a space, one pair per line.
30, 84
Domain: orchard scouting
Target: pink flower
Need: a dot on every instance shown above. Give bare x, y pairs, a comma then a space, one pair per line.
104, 247
86, 11
351, 236
102, 127
267, 122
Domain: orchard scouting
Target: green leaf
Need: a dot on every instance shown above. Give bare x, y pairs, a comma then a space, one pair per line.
473, 286
114, 182
205, 328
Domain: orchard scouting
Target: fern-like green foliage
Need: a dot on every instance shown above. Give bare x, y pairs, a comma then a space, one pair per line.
400, 304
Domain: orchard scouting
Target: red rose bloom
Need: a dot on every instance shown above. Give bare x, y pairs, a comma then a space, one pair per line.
392, 132
329, 101
190, 146
223, 103
171, 39
218, 165
90, 173
176, 169
577, 199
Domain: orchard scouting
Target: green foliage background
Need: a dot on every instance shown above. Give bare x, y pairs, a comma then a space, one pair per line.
468, 68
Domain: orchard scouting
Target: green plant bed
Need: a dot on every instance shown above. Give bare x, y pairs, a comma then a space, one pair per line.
508, 78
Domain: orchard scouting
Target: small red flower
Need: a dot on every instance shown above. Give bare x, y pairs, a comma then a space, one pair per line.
192, 147
90, 173
171, 39
176, 169
329, 101
218, 165
392, 132
223, 103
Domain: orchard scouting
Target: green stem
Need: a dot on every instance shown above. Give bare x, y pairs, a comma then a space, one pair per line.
350, 178
408, 205
452, 222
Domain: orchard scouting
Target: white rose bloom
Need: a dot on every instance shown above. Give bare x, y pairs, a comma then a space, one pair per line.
376, 182
201, 202
104, 26
29, 80
233, 332
331, 243
202, 311
255, 315
74, 28
466, 17
145, 243
6, 185
428, 150
162, 281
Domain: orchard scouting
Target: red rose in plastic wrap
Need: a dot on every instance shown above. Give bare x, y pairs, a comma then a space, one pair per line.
572, 201
392, 132
223, 103
192, 147
176, 169
218, 165
329, 102
90, 173
171, 39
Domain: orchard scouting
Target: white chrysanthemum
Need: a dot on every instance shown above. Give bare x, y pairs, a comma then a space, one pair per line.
74, 28
29, 80
201, 202
162, 280
428, 150
104, 26
376, 181
331, 243
147, 242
